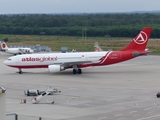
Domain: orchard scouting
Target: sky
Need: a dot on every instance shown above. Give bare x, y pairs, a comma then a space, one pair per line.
76, 6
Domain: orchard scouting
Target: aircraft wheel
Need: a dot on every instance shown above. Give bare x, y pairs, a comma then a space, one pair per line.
79, 71
74, 71
20, 71
53, 102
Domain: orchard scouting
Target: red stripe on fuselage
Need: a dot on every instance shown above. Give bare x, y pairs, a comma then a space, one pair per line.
29, 66
105, 57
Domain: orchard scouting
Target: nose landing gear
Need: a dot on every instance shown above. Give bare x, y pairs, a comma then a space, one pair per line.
20, 71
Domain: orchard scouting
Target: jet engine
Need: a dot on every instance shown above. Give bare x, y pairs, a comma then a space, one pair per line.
55, 68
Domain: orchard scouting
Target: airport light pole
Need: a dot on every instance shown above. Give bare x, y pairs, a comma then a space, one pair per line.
2, 104
84, 34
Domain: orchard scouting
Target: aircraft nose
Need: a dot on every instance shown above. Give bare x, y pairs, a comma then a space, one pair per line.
5, 62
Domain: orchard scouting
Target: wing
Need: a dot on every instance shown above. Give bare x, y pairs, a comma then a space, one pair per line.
73, 63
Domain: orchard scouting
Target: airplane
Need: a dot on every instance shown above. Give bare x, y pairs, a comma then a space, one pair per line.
15, 51
56, 62
97, 47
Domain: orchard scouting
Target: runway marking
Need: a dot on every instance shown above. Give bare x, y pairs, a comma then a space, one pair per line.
145, 118
155, 104
136, 104
102, 118
133, 111
118, 115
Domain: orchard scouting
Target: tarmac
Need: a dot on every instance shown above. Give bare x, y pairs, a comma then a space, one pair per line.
123, 91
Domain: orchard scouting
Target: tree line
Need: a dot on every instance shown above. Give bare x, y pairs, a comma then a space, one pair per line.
114, 25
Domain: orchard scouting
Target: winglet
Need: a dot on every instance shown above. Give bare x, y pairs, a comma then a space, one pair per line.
140, 41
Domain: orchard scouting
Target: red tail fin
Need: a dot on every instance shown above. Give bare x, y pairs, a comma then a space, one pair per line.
140, 41
3, 45
97, 50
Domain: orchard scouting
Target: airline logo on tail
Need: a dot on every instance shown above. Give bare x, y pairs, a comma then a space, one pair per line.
3, 45
141, 38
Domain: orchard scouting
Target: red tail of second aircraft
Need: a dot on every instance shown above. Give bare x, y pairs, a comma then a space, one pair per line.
139, 43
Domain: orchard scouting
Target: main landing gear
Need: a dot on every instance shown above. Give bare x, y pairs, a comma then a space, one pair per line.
75, 71
20, 71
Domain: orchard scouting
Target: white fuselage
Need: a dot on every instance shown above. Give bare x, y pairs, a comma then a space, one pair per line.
54, 58
18, 50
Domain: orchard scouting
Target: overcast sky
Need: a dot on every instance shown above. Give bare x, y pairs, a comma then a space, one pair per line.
76, 6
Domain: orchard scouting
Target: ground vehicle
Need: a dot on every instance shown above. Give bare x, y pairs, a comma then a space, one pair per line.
33, 92
37, 99
55, 90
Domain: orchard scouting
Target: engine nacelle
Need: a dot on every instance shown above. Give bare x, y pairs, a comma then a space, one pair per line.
55, 68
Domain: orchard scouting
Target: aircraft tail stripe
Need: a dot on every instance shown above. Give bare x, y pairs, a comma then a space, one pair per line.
106, 56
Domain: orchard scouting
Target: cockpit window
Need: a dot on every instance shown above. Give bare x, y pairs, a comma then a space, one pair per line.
9, 59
